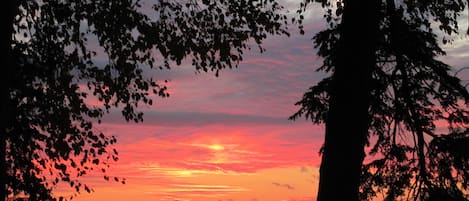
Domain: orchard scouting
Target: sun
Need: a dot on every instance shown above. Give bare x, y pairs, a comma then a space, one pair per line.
216, 147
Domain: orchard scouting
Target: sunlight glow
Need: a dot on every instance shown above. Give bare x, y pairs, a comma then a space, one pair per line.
181, 173
216, 147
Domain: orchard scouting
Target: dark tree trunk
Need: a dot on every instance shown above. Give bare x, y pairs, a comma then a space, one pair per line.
9, 10
348, 117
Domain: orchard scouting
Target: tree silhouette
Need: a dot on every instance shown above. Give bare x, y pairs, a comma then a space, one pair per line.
51, 64
390, 92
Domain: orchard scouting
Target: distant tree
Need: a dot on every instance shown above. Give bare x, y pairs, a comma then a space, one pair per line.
50, 54
389, 91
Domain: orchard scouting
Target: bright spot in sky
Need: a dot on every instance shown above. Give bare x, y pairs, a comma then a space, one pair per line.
216, 147
182, 173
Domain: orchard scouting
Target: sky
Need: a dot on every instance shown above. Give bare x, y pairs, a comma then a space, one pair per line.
228, 138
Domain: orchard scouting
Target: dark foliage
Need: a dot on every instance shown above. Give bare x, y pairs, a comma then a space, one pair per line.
54, 62
418, 132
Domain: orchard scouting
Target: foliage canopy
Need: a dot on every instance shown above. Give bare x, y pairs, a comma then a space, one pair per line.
62, 52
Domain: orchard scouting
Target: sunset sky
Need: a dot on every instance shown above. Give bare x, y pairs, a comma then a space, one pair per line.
228, 137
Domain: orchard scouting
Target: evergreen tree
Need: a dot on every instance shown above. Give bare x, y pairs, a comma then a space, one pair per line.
398, 98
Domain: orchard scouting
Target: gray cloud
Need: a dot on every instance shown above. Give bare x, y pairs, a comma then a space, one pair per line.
180, 118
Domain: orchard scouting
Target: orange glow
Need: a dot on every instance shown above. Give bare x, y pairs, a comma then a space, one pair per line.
206, 166
277, 184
